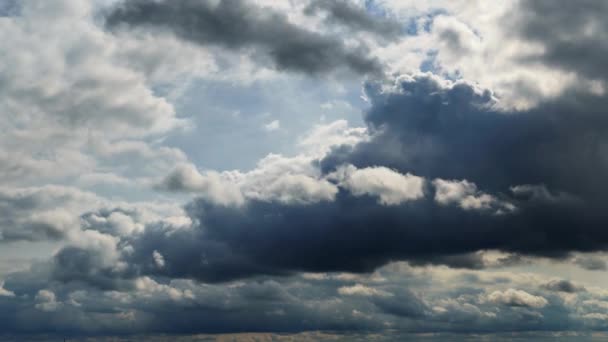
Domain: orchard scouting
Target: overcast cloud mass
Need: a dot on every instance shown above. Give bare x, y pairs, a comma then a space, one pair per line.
261, 170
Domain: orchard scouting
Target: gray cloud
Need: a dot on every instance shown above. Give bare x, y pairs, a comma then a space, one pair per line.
572, 34
431, 131
346, 13
41, 213
237, 25
562, 286
591, 263
396, 300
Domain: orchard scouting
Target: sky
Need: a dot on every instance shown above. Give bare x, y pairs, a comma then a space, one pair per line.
282, 170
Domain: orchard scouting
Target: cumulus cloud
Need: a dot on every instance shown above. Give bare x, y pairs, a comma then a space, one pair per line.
429, 127
212, 185
419, 128
465, 194
66, 87
4, 292
361, 290
513, 297
46, 301
562, 285
391, 188
159, 260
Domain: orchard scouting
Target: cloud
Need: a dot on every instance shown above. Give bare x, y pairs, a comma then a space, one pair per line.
361, 290
575, 27
355, 17
69, 95
420, 221
272, 126
591, 263
289, 46
430, 128
42, 213
9, 8
344, 212
465, 194
4, 292
212, 185
398, 296
391, 188
512, 297
562, 286
159, 260
46, 301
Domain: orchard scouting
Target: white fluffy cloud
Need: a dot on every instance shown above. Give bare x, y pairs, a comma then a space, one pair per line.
475, 40
46, 301
513, 297
361, 290
72, 95
391, 187
465, 194
290, 180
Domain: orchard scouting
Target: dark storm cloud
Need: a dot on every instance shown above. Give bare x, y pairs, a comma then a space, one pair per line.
350, 234
454, 133
436, 132
357, 18
573, 33
548, 163
236, 24
550, 160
